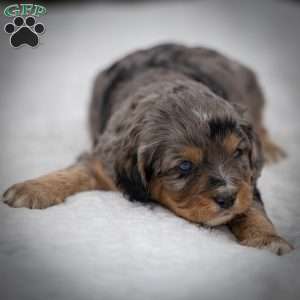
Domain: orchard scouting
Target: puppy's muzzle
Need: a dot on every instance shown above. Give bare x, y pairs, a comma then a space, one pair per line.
226, 199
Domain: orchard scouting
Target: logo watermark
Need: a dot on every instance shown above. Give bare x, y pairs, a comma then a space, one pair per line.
24, 29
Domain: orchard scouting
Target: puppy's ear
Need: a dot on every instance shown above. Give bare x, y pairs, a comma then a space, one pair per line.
146, 164
134, 172
256, 154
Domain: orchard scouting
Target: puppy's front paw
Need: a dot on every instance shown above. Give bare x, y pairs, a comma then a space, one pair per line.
32, 194
273, 243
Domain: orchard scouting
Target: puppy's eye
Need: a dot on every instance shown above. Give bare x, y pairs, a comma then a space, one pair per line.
185, 167
238, 153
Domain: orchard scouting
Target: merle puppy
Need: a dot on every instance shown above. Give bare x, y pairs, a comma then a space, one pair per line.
178, 126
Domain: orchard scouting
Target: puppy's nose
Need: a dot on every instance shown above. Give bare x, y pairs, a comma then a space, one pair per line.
225, 200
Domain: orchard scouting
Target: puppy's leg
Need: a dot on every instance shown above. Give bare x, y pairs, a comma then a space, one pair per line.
254, 229
272, 151
55, 187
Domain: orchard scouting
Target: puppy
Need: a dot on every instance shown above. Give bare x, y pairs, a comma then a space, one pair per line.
178, 126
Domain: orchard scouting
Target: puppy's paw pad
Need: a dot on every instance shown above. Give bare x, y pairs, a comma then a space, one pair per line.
30, 194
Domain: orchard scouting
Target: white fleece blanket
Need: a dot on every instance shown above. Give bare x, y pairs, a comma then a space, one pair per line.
97, 245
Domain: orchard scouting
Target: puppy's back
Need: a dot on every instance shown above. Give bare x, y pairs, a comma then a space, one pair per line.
225, 77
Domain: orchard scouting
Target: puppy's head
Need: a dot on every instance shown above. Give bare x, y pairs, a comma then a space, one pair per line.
198, 157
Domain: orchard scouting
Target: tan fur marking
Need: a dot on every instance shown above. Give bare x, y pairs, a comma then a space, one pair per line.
193, 154
254, 229
55, 187
231, 142
104, 182
201, 208
195, 209
251, 225
244, 198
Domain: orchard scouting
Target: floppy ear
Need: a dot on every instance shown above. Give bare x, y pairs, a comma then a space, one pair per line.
256, 154
134, 174
145, 160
